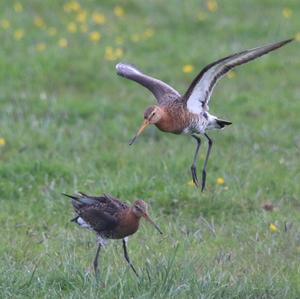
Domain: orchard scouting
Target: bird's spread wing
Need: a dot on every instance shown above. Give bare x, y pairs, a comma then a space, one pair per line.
161, 90
198, 94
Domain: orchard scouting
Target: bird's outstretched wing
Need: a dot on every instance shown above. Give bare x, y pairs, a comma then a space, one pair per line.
198, 94
162, 91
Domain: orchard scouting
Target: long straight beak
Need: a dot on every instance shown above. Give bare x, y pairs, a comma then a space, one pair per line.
146, 216
142, 128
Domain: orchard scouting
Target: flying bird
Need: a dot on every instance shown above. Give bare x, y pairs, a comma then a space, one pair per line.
109, 218
188, 114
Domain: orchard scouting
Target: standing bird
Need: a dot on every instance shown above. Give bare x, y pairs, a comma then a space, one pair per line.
188, 114
110, 219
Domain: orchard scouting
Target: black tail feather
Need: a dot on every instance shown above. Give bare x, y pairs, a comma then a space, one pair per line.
71, 196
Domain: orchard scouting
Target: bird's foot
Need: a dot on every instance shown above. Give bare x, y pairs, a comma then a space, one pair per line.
194, 176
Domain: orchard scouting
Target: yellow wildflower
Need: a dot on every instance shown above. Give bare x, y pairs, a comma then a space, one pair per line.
297, 37
84, 28
119, 11
72, 6
40, 47
201, 16
19, 34
111, 54
72, 27
191, 183
187, 68
5, 24
220, 181
273, 228
231, 74
212, 5
18, 7
95, 36
135, 38
39, 22
2, 141
149, 33
98, 18
63, 43
82, 16
287, 12
119, 52
52, 31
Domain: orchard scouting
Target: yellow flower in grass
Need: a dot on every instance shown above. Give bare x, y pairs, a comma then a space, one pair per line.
212, 5
297, 37
113, 54
231, 74
39, 22
119, 11
40, 47
18, 7
63, 43
95, 36
5, 24
19, 34
187, 68
191, 183
71, 6
287, 12
52, 31
98, 18
220, 181
82, 16
2, 141
273, 228
72, 27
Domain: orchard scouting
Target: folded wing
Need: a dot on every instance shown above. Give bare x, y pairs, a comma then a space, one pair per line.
198, 94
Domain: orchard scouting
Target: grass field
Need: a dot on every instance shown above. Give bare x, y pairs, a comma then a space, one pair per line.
65, 122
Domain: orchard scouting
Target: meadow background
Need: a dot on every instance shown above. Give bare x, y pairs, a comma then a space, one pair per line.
65, 122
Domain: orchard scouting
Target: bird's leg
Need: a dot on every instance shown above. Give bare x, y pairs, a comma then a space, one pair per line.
194, 167
127, 257
96, 260
210, 143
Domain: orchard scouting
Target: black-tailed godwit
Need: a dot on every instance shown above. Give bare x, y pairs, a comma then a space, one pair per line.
188, 114
110, 219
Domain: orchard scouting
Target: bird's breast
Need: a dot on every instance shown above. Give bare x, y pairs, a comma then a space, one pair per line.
174, 120
128, 225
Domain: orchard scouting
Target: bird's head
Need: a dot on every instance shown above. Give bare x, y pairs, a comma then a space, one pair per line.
140, 209
152, 115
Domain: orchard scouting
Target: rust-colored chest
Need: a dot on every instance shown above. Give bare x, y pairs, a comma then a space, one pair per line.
128, 224
174, 119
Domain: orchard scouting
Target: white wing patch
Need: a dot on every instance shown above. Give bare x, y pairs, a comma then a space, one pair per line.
199, 92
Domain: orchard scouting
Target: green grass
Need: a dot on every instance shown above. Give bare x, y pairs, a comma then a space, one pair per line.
67, 117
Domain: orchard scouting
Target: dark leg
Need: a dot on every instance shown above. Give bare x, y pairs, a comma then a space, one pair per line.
194, 167
96, 260
127, 257
210, 143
